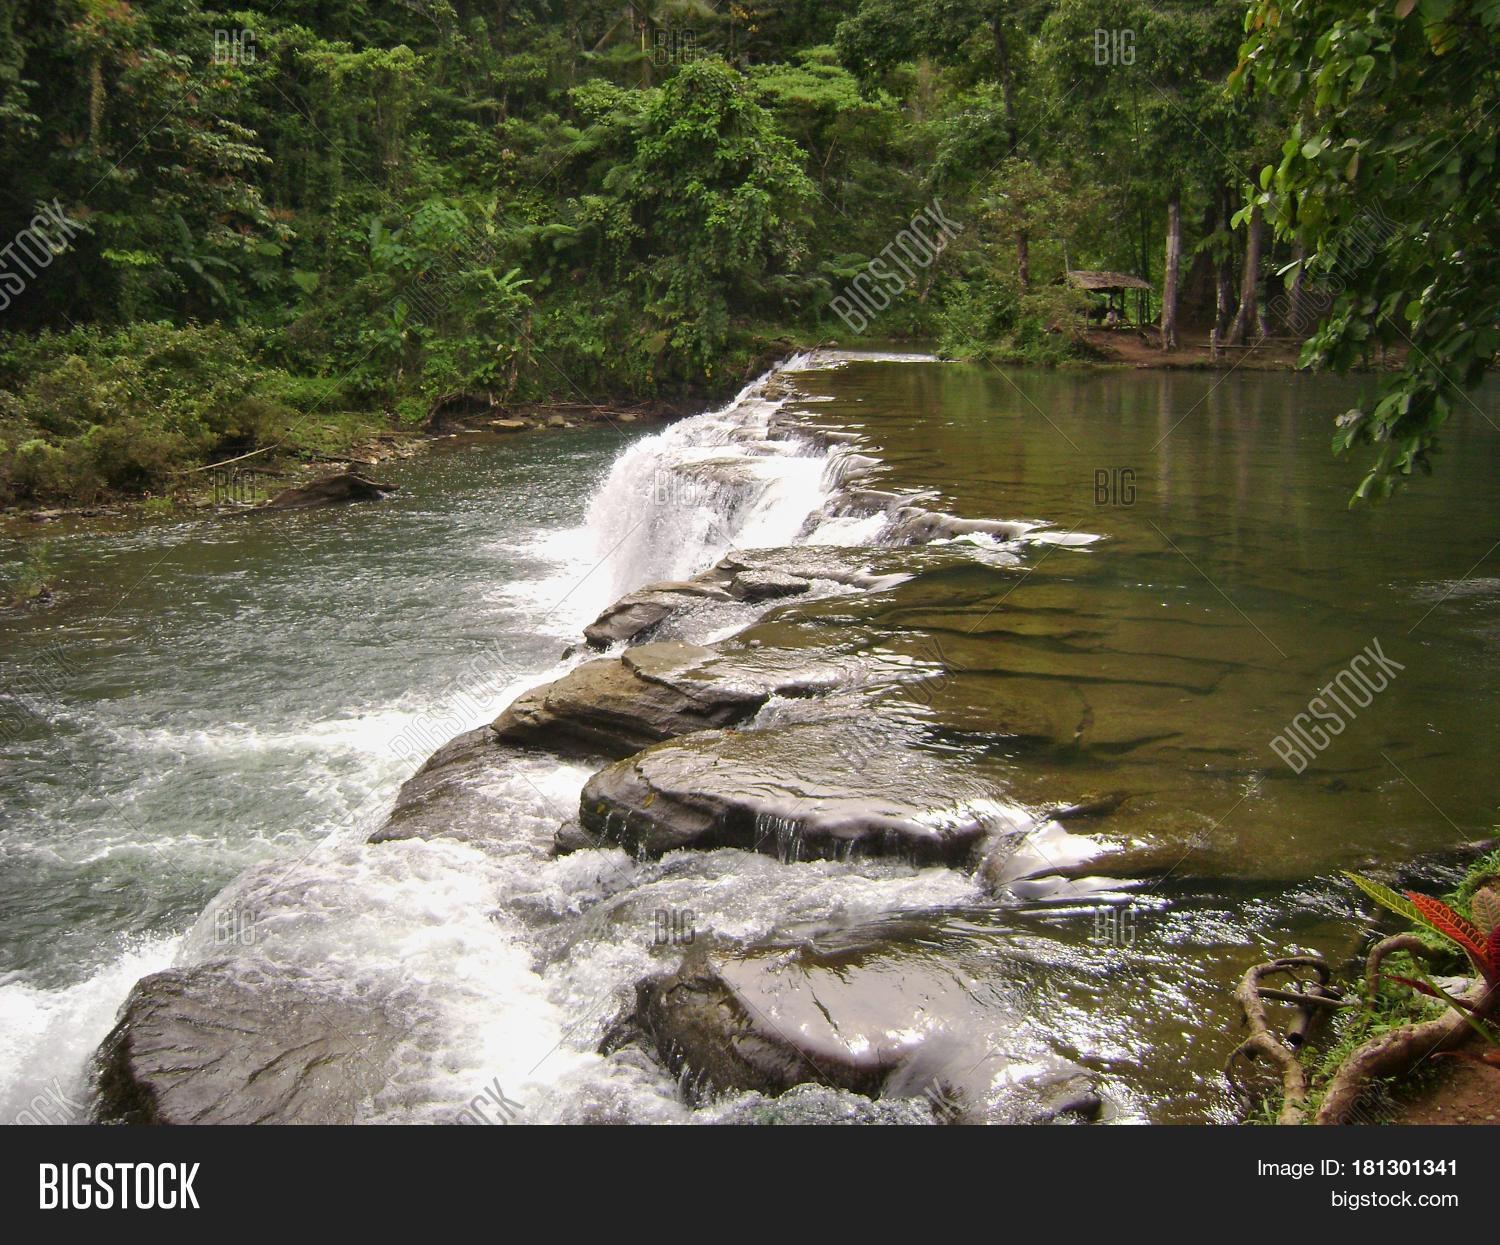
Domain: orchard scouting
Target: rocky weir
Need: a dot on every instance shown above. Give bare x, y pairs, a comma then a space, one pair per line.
739, 857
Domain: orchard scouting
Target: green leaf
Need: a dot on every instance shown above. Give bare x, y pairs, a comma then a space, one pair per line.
1384, 895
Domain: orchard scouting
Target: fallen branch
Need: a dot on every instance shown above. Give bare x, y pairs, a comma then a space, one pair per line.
1263, 1042
265, 449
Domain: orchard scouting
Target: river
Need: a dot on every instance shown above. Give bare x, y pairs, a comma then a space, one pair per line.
233, 703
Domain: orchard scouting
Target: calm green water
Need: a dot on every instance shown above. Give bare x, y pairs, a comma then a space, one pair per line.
1231, 584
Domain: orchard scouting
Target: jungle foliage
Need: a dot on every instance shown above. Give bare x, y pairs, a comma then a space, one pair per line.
234, 227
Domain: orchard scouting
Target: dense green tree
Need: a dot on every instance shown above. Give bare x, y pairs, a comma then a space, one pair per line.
708, 209
1387, 181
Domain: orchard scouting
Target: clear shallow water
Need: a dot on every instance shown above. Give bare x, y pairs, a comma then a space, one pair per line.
1233, 584
237, 700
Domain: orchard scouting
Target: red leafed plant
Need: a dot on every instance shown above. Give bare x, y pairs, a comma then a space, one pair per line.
1482, 946
1481, 943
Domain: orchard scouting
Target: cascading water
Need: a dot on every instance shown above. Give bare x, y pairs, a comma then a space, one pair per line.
505, 965
675, 502
217, 715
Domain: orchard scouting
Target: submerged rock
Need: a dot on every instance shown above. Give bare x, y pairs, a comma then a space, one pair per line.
913, 525
331, 490
806, 791
209, 1045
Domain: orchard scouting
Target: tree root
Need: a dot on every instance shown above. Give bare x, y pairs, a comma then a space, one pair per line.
1263, 1042
1409, 943
1399, 1051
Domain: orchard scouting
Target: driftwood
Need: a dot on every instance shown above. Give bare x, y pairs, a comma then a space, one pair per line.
1263, 1042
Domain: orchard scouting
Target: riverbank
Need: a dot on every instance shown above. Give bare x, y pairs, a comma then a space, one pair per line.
156, 417
297, 427
352, 441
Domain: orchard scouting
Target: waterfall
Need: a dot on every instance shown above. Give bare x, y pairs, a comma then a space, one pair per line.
674, 503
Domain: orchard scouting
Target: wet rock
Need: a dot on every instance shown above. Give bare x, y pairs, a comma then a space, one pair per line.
742, 576
875, 1016
850, 566
508, 425
809, 1105
862, 501
913, 525
807, 791
556, 421
331, 490
475, 789
634, 615
216, 1044
767, 585
850, 466
617, 706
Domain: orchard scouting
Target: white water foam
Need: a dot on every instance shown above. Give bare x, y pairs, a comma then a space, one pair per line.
47, 1036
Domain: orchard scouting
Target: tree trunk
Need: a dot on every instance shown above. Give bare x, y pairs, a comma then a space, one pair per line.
1223, 299
1296, 295
1007, 86
96, 101
1169, 277
1224, 273
1012, 139
1244, 319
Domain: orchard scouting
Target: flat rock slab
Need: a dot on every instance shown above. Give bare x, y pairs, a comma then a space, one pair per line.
219, 1045
617, 706
807, 791
767, 585
878, 1017
634, 615
746, 576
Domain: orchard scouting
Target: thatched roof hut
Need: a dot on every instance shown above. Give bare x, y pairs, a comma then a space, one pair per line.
1101, 282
